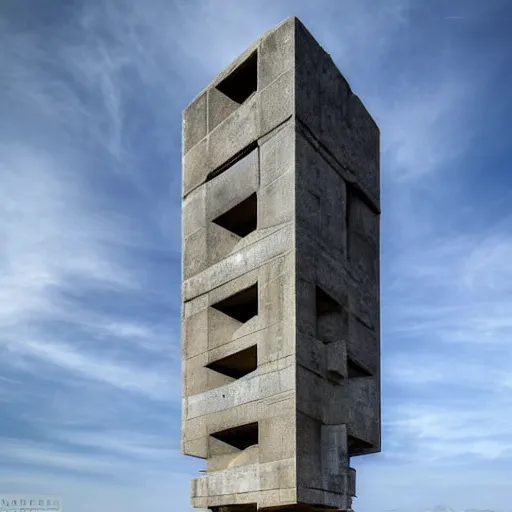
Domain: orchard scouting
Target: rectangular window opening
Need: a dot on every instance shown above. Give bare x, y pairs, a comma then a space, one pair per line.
241, 306
237, 365
354, 194
242, 219
240, 437
241, 83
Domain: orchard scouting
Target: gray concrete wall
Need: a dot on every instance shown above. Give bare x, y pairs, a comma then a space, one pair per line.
280, 317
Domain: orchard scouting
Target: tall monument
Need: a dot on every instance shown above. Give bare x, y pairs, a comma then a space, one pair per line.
280, 292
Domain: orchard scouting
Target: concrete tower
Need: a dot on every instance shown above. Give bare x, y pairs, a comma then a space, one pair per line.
280, 318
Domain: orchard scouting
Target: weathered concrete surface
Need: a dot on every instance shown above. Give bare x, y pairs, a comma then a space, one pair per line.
280, 317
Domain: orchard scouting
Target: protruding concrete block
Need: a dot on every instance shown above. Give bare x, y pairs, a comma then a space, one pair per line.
220, 107
277, 102
232, 186
236, 133
276, 53
277, 154
281, 347
275, 204
195, 166
194, 123
336, 359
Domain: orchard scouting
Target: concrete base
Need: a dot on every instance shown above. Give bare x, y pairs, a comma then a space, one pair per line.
291, 508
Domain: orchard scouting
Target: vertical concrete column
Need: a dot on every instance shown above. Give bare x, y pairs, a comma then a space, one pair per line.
280, 291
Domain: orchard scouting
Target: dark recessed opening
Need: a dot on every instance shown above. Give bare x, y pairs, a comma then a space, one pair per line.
331, 318
325, 304
242, 306
356, 370
355, 195
240, 437
357, 446
241, 219
242, 82
237, 365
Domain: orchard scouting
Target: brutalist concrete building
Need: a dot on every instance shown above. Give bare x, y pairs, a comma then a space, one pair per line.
280, 317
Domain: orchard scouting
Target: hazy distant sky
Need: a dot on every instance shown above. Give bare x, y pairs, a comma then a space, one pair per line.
91, 94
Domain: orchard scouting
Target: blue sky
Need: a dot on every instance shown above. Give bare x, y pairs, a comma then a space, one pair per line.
90, 126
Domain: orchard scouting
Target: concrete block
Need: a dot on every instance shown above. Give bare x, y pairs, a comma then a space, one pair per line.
336, 360
364, 258
310, 353
328, 499
278, 438
276, 53
239, 263
306, 306
278, 474
308, 60
195, 447
309, 451
334, 96
333, 208
194, 306
219, 243
236, 133
233, 286
363, 299
221, 328
277, 102
248, 328
362, 344
194, 211
310, 394
357, 405
195, 254
250, 455
195, 334
195, 375
276, 343
195, 167
276, 300
237, 345
231, 481
244, 390
362, 219
309, 209
335, 458
277, 153
242, 414
268, 499
282, 403
363, 149
275, 204
220, 107
275, 269
194, 123
232, 186
288, 496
